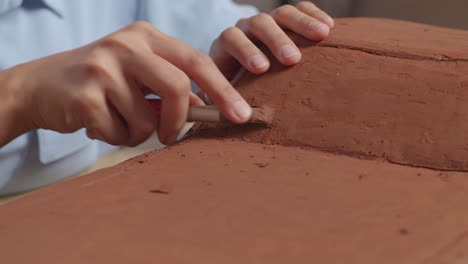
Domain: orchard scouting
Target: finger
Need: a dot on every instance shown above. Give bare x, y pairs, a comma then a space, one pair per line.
312, 10
195, 100
129, 101
238, 45
291, 18
202, 95
102, 121
169, 83
241, 22
264, 28
200, 68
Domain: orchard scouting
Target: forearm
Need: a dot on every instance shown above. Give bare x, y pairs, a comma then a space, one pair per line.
13, 119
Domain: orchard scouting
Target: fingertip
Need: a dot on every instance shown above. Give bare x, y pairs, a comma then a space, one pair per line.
317, 30
241, 111
329, 21
259, 64
290, 54
322, 31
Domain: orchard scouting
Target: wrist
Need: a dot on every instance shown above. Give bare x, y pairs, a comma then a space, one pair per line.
14, 117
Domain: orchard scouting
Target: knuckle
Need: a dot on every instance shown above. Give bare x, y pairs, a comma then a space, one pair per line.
94, 70
306, 5
228, 34
259, 20
87, 108
115, 135
87, 102
283, 11
302, 4
115, 43
241, 22
199, 59
142, 27
262, 17
180, 87
145, 129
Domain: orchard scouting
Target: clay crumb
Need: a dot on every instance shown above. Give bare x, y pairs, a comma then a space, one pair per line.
403, 231
182, 155
246, 139
262, 164
157, 191
161, 189
141, 161
362, 176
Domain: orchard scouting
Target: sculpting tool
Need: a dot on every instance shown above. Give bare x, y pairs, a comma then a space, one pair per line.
210, 113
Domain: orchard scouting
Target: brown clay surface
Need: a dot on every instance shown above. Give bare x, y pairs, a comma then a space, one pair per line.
215, 201
378, 89
224, 200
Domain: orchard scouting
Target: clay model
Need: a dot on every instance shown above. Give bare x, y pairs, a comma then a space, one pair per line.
366, 162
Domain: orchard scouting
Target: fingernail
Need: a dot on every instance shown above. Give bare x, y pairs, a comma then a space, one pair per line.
329, 21
289, 51
259, 62
242, 110
318, 30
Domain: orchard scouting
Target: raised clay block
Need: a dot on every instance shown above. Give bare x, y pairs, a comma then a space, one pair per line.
271, 195
382, 89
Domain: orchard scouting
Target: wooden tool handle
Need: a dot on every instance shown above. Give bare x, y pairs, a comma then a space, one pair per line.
205, 113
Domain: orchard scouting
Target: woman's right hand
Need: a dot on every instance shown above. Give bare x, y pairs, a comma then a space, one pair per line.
101, 87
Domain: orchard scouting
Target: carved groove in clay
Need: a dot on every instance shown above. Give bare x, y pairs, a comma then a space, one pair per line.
395, 54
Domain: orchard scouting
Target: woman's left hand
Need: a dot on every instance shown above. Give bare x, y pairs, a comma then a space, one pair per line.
239, 45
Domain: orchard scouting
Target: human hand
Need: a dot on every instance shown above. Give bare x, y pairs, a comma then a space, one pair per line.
238, 45
101, 87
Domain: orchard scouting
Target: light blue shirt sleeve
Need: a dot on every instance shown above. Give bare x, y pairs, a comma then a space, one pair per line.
31, 29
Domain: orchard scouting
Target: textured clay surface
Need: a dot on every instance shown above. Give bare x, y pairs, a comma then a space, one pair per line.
223, 201
271, 195
377, 88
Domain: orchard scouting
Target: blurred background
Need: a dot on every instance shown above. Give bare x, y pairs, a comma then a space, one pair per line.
448, 13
